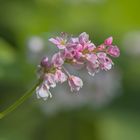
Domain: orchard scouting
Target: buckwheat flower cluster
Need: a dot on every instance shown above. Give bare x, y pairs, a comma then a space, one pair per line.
76, 51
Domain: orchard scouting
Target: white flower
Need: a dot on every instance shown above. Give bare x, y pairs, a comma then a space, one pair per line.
42, 91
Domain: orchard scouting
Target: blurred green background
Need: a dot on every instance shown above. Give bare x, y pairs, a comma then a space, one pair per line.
20, 20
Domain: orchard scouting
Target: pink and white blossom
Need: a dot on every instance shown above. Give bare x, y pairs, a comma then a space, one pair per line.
91, 57
43, 92
85, 42
59, 42
49, 79
57, 60
75, 83
113, 51
76, 51
105, 62
60, 76
81, 43
83, 38
93, 68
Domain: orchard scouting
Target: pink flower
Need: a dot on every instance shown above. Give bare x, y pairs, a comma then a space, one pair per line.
101, 55
83, 38
91, 47
57, 60
85, 42
91, 57
73, 41
42, 91
92, 64
92, 68
81, 43
113, 51
60, 76
60, 42
75, 83
70, 53
66, 54
105, 62
108, 41
49, 79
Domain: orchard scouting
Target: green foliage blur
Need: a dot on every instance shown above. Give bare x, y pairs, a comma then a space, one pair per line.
22, 19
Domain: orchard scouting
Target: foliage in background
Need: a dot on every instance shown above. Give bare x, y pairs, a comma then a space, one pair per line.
23, 19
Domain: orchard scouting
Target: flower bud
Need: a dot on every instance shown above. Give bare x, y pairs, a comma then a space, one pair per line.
44, 62
108, 41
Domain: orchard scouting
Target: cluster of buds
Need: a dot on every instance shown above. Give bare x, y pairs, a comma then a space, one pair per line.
76, 51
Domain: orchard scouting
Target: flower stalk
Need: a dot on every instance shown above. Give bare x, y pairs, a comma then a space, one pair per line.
18, 102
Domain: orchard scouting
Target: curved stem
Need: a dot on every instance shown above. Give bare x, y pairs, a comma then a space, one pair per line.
19, 101
68, 74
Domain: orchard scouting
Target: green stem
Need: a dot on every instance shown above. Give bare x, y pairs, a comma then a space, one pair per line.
18, 102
